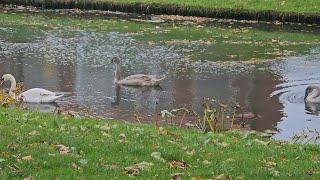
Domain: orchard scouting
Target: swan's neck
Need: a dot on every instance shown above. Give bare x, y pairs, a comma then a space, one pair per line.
12, 91
117, 74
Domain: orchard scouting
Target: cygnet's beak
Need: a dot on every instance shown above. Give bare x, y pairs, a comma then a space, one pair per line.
1, 81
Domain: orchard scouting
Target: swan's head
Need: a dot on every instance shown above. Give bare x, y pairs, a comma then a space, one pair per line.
309, 90
116, 60
6, 77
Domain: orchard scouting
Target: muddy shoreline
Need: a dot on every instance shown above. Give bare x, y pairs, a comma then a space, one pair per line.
159, 9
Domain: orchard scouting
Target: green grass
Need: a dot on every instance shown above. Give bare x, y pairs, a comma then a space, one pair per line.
101, 148
305, 6
291, 6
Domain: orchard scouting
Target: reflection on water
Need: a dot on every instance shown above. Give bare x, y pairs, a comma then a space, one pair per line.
48, 108
297, 73
81, 64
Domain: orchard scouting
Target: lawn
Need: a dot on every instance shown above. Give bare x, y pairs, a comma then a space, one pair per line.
306, 6
292, 6
46, 146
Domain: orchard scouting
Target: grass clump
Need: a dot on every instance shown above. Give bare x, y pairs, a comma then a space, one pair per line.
46, 146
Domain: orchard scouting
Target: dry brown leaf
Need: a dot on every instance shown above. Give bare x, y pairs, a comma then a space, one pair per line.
157, 156
178, 164
137, 168
191, 153
269, 164
74, 165
105, 128
33, 133
64, 150
27, 158
162, 131
12, 146
206, 162
220, 177
122, 137
29, 178
176, 176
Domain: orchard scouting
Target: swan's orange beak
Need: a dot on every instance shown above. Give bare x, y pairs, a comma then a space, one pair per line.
1, 81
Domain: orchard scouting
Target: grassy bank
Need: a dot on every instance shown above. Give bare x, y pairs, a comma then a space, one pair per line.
292, 11
47, 146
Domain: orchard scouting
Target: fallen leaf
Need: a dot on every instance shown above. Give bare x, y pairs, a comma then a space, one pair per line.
105, 128
176, 176
2, 160
12, 146
29, 178
74, 165
27, 158
137, 168
111, 166
191, 153
162, 131
83, 161
268, 131
220, 177
269, 164
275, 173
64, 150
223, 144
261, 142
157, 156
190, 125
178, 164
122, 138
206, 162
33, 133
229, 160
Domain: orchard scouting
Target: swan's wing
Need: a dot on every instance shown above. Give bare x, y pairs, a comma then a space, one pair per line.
37, 92
38, 95
139, 77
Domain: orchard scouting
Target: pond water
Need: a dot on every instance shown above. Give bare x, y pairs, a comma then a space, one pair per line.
244, 70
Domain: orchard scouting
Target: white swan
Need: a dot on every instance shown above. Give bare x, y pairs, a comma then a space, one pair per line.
312, 94
136, 79
35, 95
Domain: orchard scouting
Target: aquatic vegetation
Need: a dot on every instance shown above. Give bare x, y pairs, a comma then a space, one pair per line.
215, 117
204, 43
